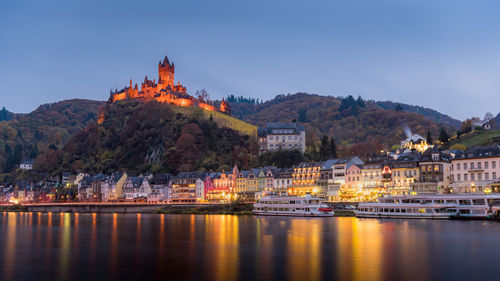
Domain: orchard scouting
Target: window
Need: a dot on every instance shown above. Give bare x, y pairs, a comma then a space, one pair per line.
270, 137
472, 177
472, 165
486, 166
479, 165
465, 177
493, 164
494, 175
486, 176
458, 166
479, 176
465, 166
459, 177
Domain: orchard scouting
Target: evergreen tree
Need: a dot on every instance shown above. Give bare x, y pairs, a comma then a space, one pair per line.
429, 137
324, 149
443, 135
399, 107
333, 148
303, 115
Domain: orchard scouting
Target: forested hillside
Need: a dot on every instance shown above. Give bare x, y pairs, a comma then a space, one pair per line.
349, 120
151, 137
50, 125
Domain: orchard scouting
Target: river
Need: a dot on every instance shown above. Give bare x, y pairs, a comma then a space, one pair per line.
68, 246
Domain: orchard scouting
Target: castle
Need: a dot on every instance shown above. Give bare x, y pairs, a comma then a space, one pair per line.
164, 90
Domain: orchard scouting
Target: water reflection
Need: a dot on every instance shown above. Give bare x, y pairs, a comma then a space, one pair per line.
65, 247
10, 246
46, 246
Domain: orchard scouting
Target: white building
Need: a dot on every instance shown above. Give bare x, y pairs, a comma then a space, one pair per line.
282, 136
477, 171
27, 164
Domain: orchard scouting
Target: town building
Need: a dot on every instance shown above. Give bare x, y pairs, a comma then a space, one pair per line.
434, 173
27, 164
405, 171
184, 186
477, 170
304, 179
354, 176
282, 136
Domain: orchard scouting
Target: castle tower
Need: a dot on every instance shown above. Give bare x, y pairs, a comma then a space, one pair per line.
166, 71
224, 107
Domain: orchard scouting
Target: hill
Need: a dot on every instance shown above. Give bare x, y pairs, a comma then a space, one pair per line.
50, 125
6, 115
347, 120
430, 114
477, 138
222, 120
153, 137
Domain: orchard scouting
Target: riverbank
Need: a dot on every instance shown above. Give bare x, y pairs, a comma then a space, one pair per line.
221, 209
190, 209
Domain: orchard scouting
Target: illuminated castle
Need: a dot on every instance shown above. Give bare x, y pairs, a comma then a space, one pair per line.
164, 90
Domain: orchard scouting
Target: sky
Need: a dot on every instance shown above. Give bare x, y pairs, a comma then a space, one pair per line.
439, 54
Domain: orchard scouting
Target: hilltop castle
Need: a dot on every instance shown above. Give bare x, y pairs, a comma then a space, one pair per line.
164, 90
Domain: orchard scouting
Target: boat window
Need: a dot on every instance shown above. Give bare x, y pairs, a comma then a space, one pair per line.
464, 202
428, 211
421, 211
403, 210
465, 211
478, 202
438, 201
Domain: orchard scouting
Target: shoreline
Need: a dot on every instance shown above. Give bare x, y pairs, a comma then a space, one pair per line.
187, 209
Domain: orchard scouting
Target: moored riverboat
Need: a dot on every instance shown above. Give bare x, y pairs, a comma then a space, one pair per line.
306, 206
432, 206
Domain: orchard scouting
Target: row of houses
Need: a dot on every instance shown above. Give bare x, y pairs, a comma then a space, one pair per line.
475, 170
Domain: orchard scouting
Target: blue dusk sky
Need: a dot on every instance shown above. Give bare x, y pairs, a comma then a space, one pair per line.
439, 54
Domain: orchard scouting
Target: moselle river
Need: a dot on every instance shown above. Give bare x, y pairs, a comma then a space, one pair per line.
65, 246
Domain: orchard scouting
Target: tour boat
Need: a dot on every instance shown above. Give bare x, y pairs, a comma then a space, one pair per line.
306, 206
432, 206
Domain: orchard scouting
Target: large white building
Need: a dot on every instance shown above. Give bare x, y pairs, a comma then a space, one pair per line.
282, 136
477, 170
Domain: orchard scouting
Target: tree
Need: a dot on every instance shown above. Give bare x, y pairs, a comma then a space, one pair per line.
429, 137
466, 126
333, 148
399, 107
324, 148
303, 115
443, 135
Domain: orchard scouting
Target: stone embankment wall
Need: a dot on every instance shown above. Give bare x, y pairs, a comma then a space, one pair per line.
100, 208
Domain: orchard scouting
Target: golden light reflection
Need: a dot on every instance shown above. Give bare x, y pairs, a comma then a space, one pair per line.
114, 245
10, 247
223, 232
304, 249
360, 244
65, 247
138, 234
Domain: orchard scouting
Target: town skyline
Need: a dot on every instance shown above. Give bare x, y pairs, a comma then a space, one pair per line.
427, 56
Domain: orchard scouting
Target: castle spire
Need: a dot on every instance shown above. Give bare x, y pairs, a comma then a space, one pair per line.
166, 61
130, 83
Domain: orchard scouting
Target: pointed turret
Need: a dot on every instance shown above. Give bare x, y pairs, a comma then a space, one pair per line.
166, 61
